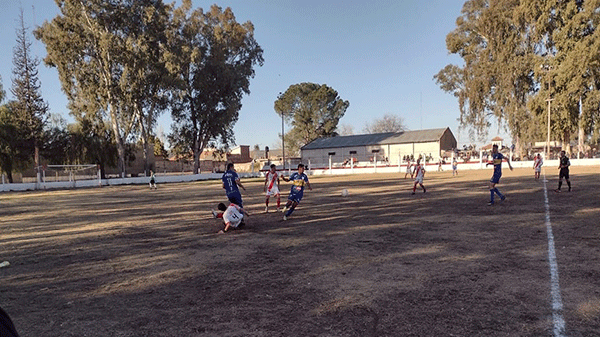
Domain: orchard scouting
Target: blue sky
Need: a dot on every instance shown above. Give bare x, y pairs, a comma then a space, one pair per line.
380, 55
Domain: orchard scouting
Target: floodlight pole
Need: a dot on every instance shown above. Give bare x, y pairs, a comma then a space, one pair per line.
548, 139
547, 69
282, 142
282, 137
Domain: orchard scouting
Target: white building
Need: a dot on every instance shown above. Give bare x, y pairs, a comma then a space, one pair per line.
379, 146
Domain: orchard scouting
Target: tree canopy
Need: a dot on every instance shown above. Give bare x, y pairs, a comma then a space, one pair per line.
387, 123
125, 62
516, 55
314, 111
28, 109
212, 59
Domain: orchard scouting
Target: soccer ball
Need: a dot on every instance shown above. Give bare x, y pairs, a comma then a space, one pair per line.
344, 192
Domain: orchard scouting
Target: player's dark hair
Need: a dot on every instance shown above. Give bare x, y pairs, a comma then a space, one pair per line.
273, 165
495, 145
300, 165
229, 166
7, 328
222, 207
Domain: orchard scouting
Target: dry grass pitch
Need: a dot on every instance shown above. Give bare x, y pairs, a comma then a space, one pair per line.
127, 261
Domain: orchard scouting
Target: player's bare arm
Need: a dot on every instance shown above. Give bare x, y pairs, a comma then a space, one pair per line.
509, 166
308, 185
239, 183
284, 178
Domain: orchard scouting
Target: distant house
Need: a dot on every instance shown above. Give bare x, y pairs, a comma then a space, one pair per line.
239, 154
380, 146
495, 141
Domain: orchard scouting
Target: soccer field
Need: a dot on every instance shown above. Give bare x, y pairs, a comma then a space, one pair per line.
128, 261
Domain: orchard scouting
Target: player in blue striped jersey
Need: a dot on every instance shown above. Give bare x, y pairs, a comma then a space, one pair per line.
299, 180
497, 158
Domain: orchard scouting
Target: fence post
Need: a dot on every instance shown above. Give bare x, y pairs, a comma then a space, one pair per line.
330, 168
375, 162
480, 158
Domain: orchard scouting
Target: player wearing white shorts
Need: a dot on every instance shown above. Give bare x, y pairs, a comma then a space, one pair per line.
233, 216
272, 187
537, 166
419, 173
408, 169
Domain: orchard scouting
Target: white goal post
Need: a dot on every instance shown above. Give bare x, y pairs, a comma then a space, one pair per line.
70, 173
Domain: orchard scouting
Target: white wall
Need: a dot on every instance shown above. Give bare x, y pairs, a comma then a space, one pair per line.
448, 167
118, 181
216, 176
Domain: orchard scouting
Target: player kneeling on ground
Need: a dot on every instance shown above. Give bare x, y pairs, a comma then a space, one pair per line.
233, 216
299, 180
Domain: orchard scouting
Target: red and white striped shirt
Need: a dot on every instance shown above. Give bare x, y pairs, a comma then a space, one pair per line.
272, 180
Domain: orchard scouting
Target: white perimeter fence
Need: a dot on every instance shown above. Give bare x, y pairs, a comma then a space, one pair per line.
336, 169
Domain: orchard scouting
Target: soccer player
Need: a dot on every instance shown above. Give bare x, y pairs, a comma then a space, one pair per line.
497, 158
233, 216
419, 173
272, 187
454, 166
564, 171
231, 181
152, 180
537, 166
408, 169
299, 180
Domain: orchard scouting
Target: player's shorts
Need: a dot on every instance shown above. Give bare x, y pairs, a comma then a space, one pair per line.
564, 173
273, 191
419, 179
233, 221
538, 169
295, 195
454, 167
408, 170
496, 178
235, 198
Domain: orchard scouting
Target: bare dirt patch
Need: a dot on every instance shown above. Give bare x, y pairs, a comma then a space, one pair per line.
127, 261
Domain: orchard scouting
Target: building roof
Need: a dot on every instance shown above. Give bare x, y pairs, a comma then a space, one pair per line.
497, 138
418, 136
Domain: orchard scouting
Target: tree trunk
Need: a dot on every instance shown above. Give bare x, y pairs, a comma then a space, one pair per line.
196, 154
37, 160
120, 146
580, 140
566, 146
102, 171
144, 138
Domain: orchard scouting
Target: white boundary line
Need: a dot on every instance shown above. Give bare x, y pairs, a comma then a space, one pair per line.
557, 306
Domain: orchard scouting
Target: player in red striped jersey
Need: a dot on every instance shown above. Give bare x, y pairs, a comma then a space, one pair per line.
418, 174
272, 187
